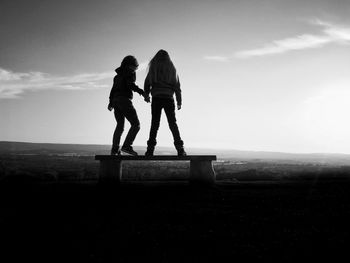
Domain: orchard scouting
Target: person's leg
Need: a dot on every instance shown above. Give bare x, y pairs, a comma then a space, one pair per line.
169, 109
131, 115
156, 113
119, 117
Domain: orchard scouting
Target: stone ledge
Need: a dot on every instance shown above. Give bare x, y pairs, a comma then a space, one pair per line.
156, 158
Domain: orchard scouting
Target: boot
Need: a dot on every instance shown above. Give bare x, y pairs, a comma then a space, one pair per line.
150, 151
115, 151
179, 145
150, 147
181, 151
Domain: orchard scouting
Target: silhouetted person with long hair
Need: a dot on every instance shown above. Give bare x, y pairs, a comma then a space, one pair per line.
120, 99
162, 82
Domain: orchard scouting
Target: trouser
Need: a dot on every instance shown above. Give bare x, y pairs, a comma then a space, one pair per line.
123, 109
168, 105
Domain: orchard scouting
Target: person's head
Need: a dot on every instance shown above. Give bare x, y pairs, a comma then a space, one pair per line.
129, 62
161, 55
161, 68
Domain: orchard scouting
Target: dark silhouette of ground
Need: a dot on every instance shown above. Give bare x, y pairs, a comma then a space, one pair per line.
175, 222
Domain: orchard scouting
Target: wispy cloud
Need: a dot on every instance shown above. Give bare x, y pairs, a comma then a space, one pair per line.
281, 46
331, 33
217, 58
13, 84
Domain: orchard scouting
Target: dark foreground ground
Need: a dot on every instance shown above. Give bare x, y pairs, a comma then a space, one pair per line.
175, 222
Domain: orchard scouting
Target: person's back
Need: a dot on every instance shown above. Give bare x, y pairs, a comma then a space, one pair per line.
162, 82
162, 79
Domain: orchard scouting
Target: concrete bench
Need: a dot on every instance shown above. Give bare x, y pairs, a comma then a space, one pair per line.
201, 167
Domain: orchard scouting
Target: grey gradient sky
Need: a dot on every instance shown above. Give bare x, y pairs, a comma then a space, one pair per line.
256, 75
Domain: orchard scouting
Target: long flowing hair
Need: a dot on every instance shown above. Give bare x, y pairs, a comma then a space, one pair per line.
161, 69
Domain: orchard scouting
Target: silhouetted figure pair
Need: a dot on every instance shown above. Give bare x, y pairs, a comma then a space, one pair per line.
162, 82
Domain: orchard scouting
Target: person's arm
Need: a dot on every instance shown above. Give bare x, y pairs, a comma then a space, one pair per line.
147, 88
111, 94
178, 93
130, 82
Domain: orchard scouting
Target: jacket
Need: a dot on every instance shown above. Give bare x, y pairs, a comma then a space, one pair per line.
124, 84
163, 90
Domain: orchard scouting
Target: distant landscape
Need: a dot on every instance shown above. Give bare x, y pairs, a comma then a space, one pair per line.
50, 162
279, 206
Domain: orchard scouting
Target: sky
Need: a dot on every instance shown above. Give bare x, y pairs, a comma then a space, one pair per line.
258, 75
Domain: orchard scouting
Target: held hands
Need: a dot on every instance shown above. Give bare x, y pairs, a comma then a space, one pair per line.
147, 98
110, 107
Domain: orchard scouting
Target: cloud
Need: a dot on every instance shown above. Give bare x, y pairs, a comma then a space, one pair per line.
330, 34
13, 84
284, 45
217, 58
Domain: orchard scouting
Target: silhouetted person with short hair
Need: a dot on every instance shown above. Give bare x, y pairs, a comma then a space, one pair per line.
162, 82
120, 99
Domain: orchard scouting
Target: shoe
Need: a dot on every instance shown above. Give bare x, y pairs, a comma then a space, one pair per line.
149, 152
181, 152
115, 152
129, 150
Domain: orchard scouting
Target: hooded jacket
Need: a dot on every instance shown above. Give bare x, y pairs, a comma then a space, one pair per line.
124, 84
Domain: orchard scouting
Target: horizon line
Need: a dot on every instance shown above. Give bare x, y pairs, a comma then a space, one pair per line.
201, 148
